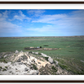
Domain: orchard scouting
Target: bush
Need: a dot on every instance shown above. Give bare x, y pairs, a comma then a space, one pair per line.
39, 53
35, 67
0, 67
40, 46
46, 58
46, 45
24, 57
54, 61
3, 60
30, 51
4, 69
54, 68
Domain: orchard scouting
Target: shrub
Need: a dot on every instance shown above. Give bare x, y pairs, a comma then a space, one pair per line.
3, 60
40, 46
35, 67
63, 66
54, 61
30, 51
24, 57
0, 67
39, 53
46, 58
46, 45
4, 69
54, 68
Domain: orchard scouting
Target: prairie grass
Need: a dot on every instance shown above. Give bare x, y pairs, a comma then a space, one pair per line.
71, 49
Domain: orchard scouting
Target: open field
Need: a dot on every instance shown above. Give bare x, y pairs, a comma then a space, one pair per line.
70, 52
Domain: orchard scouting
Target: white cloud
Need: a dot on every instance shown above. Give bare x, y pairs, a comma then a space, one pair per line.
47, 28
3, 16
65, 24
76, 19
50, 18
36, 12
59, 24
8, 28
21, 17
62, 19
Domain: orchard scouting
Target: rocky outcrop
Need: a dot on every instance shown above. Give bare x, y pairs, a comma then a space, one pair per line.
16, 51
28, 63
56, 62
44, 55
22, 63
50, 60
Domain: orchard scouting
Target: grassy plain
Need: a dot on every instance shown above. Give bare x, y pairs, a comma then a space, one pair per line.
69, 54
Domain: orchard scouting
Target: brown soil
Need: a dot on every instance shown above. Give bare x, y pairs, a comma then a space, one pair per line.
40, 48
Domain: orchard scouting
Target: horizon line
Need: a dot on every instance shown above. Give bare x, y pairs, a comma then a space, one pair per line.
40, 36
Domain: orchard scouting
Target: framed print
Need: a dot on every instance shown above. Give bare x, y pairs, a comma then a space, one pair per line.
41, 41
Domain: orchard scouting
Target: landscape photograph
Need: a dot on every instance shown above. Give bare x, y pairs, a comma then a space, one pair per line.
41, 42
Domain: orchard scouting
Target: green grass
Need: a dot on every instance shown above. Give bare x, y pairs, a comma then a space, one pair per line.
72, 65
63, 66
69, 48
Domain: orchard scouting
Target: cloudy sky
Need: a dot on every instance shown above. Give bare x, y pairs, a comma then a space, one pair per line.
18, 23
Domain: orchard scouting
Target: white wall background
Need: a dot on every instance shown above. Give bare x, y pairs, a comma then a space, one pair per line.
42, 6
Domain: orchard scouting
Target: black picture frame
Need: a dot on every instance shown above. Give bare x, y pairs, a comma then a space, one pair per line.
41, 81
41, 2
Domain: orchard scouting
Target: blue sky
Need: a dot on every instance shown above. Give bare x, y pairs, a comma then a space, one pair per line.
44, 22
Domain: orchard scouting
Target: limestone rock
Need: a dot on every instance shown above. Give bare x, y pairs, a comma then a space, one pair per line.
5, 56
22, 63
22, 58
16, 51
36, 53
26, 69
50, 60
34, 72
21, 51
44, 55
56, 62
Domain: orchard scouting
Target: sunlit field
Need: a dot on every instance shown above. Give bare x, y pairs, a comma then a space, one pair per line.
69, 53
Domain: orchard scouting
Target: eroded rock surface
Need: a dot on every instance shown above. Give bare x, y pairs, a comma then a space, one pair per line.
24, 63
